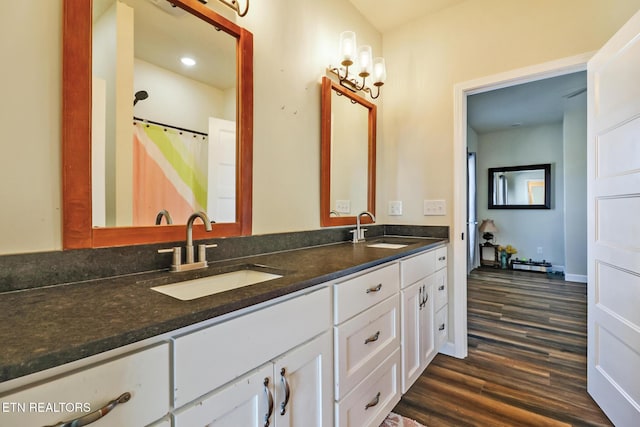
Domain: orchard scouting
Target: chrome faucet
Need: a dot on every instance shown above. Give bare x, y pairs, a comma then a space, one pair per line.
358, 233
164, 213
190, 263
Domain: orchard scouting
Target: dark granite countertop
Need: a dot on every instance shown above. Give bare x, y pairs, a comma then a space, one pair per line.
45, 327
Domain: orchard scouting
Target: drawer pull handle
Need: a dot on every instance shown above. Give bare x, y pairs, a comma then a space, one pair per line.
372, 338
441, 328
375, 289
96, 415
442, 258
441, 288
285, 383
270, 399
421, 299
374, 402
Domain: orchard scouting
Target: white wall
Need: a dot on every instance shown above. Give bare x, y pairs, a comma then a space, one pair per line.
526, 229
294, 42
575, 179
473, 39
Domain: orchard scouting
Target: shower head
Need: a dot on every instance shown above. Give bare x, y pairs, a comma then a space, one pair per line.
140, 96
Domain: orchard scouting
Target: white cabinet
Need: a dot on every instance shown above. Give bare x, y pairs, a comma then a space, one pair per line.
367, 346
424, 311
418, 341
144, 375
295, 390
211, 357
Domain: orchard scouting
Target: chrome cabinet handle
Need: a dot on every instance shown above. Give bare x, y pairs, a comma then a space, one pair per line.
441, 328
420, 299
374, 402
372, 338
270, 405
96, 415
283, 405
375, 289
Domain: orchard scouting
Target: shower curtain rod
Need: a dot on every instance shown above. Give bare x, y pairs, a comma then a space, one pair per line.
170, 126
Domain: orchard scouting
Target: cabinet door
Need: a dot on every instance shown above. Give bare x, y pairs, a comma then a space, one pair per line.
245, 402
427, 320
410, 343
303, 385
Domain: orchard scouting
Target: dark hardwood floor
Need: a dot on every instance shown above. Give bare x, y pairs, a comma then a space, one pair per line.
526, 363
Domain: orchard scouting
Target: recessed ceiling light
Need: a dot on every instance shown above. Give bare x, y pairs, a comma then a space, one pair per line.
189, 62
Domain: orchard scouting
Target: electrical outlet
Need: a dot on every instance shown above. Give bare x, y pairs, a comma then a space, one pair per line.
395, 208
343, 206
435, 207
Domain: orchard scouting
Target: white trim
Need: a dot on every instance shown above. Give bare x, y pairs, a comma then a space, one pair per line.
580, 278
458, 246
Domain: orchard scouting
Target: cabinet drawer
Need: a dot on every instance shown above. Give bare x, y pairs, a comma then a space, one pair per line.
441, 257
359, 293
417, 267
144, 374
363, 342
442, 327
440, 289
372, 400
207, 359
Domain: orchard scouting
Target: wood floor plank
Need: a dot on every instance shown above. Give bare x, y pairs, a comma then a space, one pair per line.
527, 336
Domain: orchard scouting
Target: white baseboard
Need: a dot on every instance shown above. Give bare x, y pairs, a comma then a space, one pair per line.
580, 278
450, 350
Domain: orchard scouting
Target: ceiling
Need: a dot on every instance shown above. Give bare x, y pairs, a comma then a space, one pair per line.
527, 104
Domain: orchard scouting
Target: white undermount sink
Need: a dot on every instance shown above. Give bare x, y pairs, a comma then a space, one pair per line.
387, 245
204, 286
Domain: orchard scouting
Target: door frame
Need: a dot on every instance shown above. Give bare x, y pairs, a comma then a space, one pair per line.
572, 64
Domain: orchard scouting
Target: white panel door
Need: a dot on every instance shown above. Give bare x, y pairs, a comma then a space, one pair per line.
613, 356
221, 179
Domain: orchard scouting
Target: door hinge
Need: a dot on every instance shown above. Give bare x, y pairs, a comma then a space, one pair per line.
462, 236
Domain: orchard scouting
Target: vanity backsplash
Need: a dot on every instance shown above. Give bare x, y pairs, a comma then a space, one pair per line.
24, 271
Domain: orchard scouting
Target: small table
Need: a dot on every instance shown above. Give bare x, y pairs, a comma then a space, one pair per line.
489, 255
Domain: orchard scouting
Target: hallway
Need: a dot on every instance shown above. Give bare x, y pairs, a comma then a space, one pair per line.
526, 363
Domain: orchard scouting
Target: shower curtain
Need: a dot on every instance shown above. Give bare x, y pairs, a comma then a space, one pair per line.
169, 172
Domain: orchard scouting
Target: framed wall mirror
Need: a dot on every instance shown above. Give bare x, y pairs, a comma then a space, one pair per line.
348, 155
520, 187
143, 132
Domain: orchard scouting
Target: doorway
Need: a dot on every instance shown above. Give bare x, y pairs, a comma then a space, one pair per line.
458, 348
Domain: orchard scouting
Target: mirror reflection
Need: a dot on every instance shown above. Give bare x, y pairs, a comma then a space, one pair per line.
163, 130
349, 161
520, 187
347, 155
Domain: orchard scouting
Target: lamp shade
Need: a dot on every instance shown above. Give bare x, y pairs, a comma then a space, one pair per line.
379, 71
487, 226
347, 48
365, 61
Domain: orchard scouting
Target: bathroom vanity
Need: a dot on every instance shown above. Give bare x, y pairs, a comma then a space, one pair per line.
333, 341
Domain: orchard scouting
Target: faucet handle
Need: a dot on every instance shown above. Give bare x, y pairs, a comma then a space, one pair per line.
355, 235
202, 251
177, 256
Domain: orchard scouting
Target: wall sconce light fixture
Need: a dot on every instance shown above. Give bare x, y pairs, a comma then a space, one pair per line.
235, 5
366, 65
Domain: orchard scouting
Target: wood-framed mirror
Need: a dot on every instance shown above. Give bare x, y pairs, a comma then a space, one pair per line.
348, 155
79, 230
520, 187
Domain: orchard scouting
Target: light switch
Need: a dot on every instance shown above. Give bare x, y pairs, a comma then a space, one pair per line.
435, 207
343, 206
395, 208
